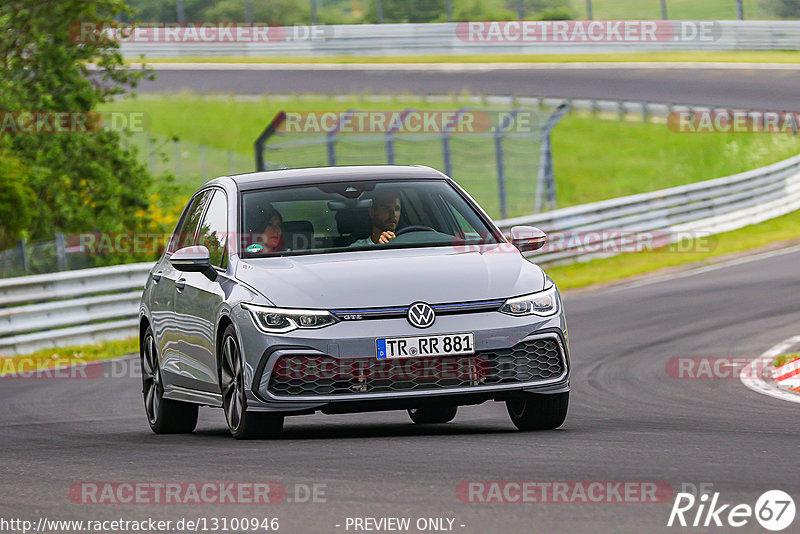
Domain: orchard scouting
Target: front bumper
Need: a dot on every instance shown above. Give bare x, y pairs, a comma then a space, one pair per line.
352, 341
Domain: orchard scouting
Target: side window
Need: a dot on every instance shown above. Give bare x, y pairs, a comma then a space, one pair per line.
187, 227
214, 229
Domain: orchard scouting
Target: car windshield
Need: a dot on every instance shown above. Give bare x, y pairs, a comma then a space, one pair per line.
363, 215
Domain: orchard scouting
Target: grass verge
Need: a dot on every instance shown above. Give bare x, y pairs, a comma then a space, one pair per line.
773, 233
785, 358
743, 56
595, 159
61, 356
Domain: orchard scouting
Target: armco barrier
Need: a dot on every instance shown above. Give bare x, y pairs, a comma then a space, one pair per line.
443, 39
93, 304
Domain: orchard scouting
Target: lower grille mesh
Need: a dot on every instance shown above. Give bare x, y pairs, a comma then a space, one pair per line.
529, 361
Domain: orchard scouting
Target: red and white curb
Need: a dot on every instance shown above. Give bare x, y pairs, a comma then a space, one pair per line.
788, 375
780, 379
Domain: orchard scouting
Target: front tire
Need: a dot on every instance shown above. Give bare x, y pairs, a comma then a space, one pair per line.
241, 423
433, 415
532, 411
165, 416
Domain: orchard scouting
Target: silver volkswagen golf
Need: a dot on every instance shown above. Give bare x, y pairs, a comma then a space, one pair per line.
348, 289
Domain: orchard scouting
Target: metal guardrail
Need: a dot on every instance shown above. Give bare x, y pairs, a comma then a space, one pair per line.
75, 307
671, 215
70, 308
444, 39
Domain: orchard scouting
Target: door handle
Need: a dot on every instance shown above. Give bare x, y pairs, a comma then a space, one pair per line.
157, 277
180, 284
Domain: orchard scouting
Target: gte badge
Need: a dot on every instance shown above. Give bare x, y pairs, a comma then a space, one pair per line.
774, 510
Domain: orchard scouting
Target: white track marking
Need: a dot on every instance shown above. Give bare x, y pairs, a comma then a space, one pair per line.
466, 67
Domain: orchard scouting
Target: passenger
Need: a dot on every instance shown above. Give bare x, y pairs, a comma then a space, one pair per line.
271, 237
384, 213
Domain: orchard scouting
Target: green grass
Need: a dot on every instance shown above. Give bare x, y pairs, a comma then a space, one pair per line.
743, 56
676, 9
783, 229
595, 159
785, 358
57, 357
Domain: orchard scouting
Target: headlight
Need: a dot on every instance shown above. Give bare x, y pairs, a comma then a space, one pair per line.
281, 320
544, 304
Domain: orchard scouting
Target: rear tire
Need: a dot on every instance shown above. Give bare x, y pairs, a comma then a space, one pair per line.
165, 416
241, 423
433, 415
532, 411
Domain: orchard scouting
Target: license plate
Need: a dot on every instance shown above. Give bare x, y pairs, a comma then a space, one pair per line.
415, 347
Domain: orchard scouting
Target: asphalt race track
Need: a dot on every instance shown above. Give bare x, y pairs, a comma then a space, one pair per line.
629, 421
747, 88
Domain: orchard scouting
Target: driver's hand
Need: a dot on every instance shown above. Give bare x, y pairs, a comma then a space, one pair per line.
386, 237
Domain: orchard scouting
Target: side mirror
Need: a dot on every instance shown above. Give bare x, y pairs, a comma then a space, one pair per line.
527, 238
194, 260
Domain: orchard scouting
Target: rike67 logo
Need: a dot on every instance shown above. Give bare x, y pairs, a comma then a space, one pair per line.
774, 510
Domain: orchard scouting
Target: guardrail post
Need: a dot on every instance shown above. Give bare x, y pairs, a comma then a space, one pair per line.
446, 159
262, 139
645, 112
546, 183
332, 136
739, 10
23, 255
61, 252
500, 129
621, 110
391, 133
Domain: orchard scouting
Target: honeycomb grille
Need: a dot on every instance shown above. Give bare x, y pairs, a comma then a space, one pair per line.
530, 361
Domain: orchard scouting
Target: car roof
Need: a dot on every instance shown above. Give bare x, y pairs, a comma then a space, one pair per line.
316, 175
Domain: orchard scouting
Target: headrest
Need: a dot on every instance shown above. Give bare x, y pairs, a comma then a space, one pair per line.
299, 235
353, 222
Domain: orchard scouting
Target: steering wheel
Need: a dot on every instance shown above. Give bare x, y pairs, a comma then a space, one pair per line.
408, 229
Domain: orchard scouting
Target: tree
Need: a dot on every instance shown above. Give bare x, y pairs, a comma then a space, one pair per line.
81, 181
16, 199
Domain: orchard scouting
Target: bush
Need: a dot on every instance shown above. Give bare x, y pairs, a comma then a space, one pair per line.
785, 9
80, 181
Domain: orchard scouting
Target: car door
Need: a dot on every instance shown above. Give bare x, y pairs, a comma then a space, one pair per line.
197, 301
165, 276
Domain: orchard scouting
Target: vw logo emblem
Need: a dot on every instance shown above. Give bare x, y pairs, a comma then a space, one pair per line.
421, 315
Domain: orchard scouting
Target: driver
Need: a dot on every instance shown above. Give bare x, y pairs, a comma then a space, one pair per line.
384, 213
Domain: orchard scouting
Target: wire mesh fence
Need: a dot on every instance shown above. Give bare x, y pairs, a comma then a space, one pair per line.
496, 155
193, 164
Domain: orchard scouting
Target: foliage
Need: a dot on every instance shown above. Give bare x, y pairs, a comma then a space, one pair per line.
82, 181
16, 199
786, 9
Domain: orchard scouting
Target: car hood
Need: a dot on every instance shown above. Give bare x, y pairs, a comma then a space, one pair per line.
392, 277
